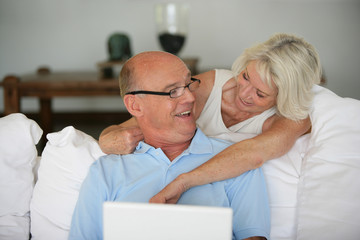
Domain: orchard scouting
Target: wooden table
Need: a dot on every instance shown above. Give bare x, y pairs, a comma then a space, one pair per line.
46, 86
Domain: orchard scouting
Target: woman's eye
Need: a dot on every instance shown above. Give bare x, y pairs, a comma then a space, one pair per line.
244, 76
260, 95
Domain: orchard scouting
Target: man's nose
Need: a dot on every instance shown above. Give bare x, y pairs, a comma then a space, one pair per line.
188, 95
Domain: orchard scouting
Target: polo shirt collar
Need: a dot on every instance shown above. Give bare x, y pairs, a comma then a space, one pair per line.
200, 144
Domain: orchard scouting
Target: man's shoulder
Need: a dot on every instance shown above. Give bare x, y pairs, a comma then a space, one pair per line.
218, 143
200, 137
108, 157
109, 165
106, 161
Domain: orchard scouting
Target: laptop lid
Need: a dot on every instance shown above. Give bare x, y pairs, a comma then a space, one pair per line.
139, 221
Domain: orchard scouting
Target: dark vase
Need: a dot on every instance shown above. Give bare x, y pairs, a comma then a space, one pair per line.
172, 22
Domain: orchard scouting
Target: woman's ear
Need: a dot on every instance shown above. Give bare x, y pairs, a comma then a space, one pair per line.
133, 105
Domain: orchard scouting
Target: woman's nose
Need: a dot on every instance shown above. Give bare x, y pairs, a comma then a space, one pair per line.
246, 91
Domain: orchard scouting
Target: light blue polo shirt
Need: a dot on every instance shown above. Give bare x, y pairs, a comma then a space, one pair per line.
138, 177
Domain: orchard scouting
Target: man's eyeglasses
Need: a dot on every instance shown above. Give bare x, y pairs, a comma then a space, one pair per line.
173, 93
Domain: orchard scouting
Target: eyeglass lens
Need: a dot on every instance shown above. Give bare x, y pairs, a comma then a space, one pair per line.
177, 92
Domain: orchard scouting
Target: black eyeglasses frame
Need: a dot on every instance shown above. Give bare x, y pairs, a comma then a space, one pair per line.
164, 93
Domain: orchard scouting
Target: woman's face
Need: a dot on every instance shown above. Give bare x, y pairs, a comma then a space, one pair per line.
253, 95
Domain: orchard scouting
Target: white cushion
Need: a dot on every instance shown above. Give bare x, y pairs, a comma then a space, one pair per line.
64, 164
18, 137
329, 191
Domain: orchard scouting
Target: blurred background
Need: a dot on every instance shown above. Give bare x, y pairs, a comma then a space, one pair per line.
71, 35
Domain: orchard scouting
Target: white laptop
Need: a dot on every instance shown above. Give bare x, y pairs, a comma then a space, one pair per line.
139, 221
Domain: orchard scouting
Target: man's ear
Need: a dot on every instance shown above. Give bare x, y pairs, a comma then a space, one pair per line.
133, 105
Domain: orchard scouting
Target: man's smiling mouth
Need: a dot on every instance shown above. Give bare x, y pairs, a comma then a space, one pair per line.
186, 113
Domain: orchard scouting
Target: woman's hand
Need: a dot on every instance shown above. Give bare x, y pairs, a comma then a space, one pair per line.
172, 192
120, 139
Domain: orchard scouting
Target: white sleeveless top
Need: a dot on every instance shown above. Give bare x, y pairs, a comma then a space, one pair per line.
210, 120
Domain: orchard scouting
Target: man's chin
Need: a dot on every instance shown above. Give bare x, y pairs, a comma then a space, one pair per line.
189, 130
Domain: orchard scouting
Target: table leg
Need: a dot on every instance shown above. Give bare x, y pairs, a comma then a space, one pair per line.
46, 115
11, 95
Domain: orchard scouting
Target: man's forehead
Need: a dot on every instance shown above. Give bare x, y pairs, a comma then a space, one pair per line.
173, 71
155, 63
154, 57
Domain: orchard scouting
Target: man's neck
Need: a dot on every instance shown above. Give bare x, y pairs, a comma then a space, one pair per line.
171, 150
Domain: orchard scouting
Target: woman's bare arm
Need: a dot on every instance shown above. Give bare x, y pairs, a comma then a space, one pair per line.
238, 158
120, 139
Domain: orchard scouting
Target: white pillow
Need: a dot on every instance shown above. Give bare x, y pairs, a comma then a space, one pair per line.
64, 164
18, 137
329, 192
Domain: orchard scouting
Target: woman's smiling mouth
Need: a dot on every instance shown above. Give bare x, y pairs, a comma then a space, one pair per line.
245, 102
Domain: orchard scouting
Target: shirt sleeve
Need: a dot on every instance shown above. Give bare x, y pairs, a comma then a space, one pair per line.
87, 217
249, 200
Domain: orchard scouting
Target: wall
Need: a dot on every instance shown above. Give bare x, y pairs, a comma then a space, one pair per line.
71, 35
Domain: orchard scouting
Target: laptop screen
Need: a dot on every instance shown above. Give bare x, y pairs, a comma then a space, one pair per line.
139, 221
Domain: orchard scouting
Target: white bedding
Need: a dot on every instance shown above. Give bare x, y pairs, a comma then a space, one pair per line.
313, 190
329, 191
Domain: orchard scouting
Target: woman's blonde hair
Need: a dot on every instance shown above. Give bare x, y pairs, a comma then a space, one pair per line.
292, 64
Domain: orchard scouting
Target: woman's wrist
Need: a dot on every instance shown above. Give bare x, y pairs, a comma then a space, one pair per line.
188, 180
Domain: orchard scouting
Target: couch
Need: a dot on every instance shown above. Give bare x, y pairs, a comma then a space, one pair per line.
314, 190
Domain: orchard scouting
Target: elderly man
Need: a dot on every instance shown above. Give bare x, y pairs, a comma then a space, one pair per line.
157, 90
